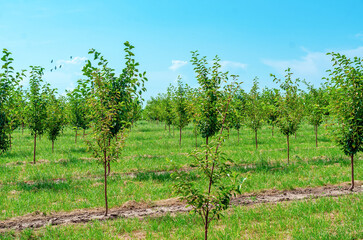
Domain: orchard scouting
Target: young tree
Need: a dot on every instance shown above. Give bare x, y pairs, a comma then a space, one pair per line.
4, 141
290, 107
15, 112
79, 110
193, 111
106, 106
219, 184
254, 110
168, 107
10, 94
238, 105
55, 120
36, 109
21, 106
270, 98
315, 105
180, 107
209, 79
153, 109
135, 111
346, 104
210, 202
6, 79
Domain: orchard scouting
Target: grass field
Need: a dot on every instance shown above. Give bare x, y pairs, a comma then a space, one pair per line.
70, 179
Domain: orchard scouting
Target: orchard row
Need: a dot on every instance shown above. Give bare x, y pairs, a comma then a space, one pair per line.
109, 104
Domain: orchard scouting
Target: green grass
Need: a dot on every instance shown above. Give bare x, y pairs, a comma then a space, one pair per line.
322, 218
71, 179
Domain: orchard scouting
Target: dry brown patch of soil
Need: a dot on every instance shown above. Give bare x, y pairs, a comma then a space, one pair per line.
133, 209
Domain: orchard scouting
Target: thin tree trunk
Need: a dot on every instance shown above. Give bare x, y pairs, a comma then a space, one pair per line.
116, 142
75, 137
180, 133
288, 150
35, 146
52, 146
206, 154
206, 226
196, 141
228, 133
316, 136
238, 134
108, 162
272, 130
256, 139
352, 165
10, 139
105, 175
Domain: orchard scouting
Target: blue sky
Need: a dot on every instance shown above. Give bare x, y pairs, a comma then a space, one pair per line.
252, 38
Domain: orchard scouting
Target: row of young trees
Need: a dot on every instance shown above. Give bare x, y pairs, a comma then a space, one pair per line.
41, 109
338, 102
212, 110
284, 107
106, 103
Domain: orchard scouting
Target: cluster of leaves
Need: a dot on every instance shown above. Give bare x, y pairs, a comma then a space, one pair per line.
210, 80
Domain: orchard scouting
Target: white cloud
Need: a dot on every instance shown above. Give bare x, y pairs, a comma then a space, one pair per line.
176, 64
311, 66
75, 60
230, 64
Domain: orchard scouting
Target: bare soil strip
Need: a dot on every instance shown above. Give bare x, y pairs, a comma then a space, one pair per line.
169, 206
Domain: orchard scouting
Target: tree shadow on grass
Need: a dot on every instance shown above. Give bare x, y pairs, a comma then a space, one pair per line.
262, 166
160, 177
54, 185
344, 161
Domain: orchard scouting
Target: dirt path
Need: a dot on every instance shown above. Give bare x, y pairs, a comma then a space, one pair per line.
159, 208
